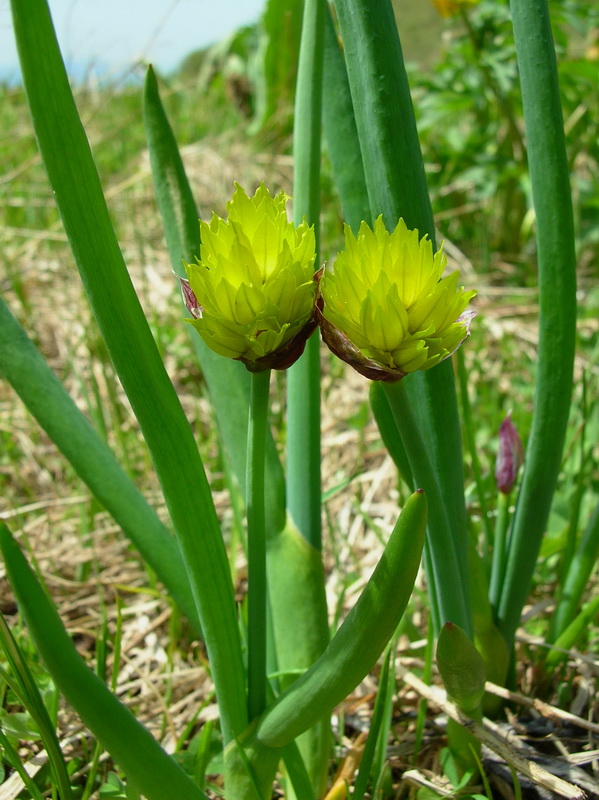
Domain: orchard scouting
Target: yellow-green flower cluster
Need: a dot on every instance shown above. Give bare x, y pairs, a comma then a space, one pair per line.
384, 307
387, 309
252, 292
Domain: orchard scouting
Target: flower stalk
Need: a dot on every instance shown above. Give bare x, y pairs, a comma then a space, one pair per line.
256, 537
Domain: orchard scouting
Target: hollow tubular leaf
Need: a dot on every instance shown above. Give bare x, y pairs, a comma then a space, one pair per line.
577, 577
46, 398
549, 175
76, 185
341, 136
303, 379
297, 589
440, 550
146, 764
396, 185
361, 638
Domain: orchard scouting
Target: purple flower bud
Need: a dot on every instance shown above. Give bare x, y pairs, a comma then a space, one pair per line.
189, 298
509, 457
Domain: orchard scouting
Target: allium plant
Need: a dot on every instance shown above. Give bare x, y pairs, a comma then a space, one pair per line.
253, 297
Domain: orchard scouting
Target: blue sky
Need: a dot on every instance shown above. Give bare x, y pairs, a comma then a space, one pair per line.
112, 34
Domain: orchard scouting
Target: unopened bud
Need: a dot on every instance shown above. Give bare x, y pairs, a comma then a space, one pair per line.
509, 457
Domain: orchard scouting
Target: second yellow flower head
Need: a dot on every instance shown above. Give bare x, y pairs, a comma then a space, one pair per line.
387, 309
252, 292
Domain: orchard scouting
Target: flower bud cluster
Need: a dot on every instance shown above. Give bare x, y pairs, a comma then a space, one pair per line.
384, 307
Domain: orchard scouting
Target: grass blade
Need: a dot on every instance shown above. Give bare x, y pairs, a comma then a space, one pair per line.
138, 753
76, 185
550, 180
381, 706
49, 402
29, 694
303, 378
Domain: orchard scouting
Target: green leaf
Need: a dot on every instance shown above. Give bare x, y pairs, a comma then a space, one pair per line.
49, 402
131, 745
78, 192
577, 577
550, 181
25, 687
361, 638
340, 132
462, 669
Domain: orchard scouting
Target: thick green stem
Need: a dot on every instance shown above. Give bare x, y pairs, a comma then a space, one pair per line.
303, 401
499, 548
451, 600
549, 175
256, 535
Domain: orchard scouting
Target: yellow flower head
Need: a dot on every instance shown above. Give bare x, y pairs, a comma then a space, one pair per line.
252, 292
448, 8
386, 309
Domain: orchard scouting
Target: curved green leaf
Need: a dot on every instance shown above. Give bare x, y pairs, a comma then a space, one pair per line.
151, 770
361, 638
78, 192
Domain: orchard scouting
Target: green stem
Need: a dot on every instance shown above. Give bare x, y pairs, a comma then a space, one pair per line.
303, 403
499, 548
299, 599
451, 600
256, 534
396, 184
550, 183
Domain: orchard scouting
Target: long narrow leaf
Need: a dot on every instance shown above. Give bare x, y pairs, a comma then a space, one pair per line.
69, 163
299, 606
155, 774
549, 175
577, 577
51, 405
341, 136
303, 378
396, 185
